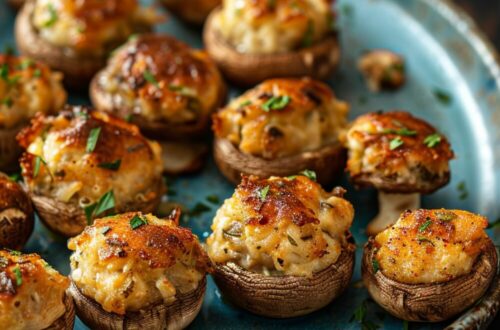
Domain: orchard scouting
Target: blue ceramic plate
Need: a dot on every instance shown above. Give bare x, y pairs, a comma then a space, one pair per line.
445, 55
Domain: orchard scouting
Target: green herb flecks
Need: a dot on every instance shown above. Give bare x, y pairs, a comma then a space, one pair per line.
442, 96
150, 78
15, 177
432, 140
425, 225
422, 239
360, 316
52, 16
25, 64
494, 224
37, 73
395, 143
105, 203
245, 103
137, 221
38, 163
7, 101
19, 276
263, 193
310, 174
375, 265
462, 189
308, 38
92, 139
14, 252
402, 131
113, 166
276, 103
445, 216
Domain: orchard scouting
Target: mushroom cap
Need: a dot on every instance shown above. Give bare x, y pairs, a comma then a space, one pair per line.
193, 12
78, 67
181, 78
285, 296
328, 162
177, 315
16, 215
67, 320
9, 149
432, 302
397, 153
317, 61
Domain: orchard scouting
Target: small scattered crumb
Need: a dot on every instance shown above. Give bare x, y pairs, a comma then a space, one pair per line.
382, 69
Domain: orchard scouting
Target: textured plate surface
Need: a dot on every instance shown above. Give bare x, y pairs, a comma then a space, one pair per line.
444, 53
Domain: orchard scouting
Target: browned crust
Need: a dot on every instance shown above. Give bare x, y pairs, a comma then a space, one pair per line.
285, 296
15, 232
318, 61
78, 68
154, 130
9, 149
429, 302
177, 315
69, 220
67, 320
328, 162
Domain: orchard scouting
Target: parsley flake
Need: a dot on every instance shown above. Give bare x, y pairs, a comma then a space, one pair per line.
150, 78
395, 143
442, 96
25, 63
245, 103
92, 139
276, 103
462, 189
105, 203
19, 276
375, 265
137, 222
263, 193
425, 225
113, 166
432, 140
52, 16
310, 174
445, 216
38, 162
402, 131
424, 240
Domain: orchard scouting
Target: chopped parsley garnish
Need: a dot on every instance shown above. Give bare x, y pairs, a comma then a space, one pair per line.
494, 224
310, 174
92, 139
105, 203
432, 140
276, 103
291, 177
402, 131
425, 225
52, 16
462, 189
375, 265
4, 72
360, 314
15, 177
105, 230
445, 215
7, 101
19, 276
263, 193
37, 73
137, 222
245, 103
424, 240
213, 199
175, 88
150, 78
307, 41
442, 96
198, 209
128, 118
14, 252
26, 63
113, 166
38, 162
395, 143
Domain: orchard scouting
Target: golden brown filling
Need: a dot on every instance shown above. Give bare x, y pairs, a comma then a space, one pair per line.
287, 226
132, 261
81, 156
263, 26
90, 25
282, 117
428, 246
27, 87
31, 292
161, 79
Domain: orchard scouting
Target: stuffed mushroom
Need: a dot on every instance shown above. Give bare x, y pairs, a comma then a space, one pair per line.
168, 89
254, 40
16, 214
431, 265
75, 37
135, 271
26, 88
82, 164
192, 11
281, 247
281, 127
401, 156
382, 69
33, 294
